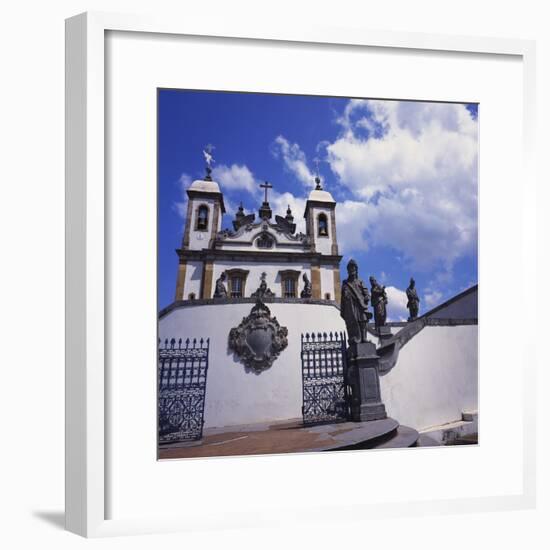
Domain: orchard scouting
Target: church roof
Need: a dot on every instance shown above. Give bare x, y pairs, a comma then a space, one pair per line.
319, 195
205, 186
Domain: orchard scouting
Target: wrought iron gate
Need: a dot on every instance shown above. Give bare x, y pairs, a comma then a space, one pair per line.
182, 368
325, 393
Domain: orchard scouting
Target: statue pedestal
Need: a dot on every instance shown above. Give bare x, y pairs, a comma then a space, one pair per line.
363, 377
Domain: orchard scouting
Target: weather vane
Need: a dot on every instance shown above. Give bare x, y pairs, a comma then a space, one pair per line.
209, 159
317, 176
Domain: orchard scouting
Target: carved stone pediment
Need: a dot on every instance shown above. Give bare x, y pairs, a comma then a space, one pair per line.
259, 339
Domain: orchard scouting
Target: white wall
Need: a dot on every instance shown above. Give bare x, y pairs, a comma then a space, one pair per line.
193, 276
233, 395
436, 377
327, 281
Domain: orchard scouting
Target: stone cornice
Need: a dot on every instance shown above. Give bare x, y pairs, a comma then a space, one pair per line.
256, 256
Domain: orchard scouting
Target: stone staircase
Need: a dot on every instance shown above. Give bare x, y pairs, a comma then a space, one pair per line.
384, 434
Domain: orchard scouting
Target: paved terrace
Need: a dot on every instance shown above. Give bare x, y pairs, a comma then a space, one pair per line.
293, 437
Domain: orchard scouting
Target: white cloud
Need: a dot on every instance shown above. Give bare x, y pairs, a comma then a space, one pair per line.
185, 182
180, 207
414, 165
294, 159
235, 177
397, 304
352, 219
432, 298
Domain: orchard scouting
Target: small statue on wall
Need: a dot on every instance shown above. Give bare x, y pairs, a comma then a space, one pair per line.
413, 301
354, 304
220, 290
263, 291
306, 292
379, 301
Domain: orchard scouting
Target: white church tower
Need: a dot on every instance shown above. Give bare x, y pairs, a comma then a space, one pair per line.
320, 218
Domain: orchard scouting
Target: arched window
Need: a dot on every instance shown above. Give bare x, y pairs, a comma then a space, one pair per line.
264, 241
236, 282
327, 296
202, 218
192, 296
322, 225
289, 283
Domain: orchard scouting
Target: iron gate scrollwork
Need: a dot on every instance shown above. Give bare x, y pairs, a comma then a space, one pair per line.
182, 368
325, 391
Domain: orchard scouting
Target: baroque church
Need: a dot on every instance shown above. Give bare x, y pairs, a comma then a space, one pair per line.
258, 249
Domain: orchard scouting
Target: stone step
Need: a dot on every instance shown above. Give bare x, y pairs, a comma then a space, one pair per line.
403, 437
425, 440
469, 416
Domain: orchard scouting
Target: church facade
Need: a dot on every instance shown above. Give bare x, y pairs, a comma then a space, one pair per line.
262, 249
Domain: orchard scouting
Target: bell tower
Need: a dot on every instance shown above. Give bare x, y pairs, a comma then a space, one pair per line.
205, 208
320, 215
320, 218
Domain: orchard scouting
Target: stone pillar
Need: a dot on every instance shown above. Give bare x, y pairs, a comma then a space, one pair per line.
180, 282
334, 247
363, 377
315, 282
206, 287
337, 284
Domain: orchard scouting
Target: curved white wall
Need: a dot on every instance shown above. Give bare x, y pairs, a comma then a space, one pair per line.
435, 377
233, 395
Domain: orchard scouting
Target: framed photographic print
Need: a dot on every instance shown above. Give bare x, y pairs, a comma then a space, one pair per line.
284, 274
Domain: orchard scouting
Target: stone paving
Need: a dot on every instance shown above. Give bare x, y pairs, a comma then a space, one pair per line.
279, 437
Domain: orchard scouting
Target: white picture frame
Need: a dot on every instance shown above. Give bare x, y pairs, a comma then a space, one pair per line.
86, 237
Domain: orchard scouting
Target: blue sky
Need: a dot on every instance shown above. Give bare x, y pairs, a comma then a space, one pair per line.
404, 175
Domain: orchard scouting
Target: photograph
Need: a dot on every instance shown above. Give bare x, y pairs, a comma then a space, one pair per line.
317, 273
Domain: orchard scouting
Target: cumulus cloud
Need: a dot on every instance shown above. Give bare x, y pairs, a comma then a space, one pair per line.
180, 207
414, 166
432, 298
352, 220
235, 177
397, 304
294, 159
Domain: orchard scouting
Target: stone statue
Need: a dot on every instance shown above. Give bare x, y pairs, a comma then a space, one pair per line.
220, 291
262, 291
306, 292
354, 304
413, 301
379, 301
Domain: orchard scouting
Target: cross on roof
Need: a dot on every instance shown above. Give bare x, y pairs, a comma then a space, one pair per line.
265, 186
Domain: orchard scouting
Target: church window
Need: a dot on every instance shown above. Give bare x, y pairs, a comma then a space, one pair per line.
290, 288
236, 279
264, 241
322, 225
202, 218
236, 287
289, 283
